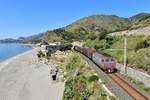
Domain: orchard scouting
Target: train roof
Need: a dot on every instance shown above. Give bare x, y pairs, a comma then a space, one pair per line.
104, 54
94, 50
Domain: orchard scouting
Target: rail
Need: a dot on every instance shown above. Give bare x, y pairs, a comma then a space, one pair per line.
136, 95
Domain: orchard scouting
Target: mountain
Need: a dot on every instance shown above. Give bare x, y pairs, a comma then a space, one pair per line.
32, 39
90, 27
139, 21
139, 17
95, 26
9, 40
98, 24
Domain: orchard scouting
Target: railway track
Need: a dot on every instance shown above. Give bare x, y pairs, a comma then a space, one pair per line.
132, 92
136, 95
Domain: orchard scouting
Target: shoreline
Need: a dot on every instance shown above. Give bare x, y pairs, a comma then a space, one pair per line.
20, 53
5, 62
22, 77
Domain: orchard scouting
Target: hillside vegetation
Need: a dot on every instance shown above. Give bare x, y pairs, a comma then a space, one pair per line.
98, 26
81, 80
98, 23
90, 27
139, 20
94, 30
138, 55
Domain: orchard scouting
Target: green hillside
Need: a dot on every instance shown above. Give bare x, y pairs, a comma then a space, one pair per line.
95, 26
137, 54
94, 30
89, 27
140, 20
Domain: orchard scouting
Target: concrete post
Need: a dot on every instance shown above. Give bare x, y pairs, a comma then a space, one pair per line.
125, 55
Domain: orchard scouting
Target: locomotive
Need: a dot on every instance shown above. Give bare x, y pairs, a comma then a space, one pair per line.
103, 60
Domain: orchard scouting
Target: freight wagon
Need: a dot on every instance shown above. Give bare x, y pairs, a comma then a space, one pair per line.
104, 61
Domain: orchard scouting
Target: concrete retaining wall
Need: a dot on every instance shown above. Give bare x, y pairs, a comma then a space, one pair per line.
138, 75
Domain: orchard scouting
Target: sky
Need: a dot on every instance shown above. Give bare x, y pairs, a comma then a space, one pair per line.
28, 17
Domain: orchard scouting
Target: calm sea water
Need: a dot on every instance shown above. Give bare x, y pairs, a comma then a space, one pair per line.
11, 50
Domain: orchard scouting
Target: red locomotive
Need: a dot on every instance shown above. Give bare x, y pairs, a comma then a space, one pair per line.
104, 61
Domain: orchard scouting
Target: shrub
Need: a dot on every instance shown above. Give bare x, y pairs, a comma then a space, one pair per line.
48, 54
112, 98
139, 45
68, 92
93, 78
140, 59
77, 86
40, 54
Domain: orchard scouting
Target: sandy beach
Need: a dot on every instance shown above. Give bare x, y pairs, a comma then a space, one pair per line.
24, 77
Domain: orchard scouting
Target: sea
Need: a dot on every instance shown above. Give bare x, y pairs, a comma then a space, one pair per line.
8, 50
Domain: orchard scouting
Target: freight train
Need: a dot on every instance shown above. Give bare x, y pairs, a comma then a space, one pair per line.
104, 61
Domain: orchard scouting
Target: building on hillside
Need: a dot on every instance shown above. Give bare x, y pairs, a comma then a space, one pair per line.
77, 44
55, 43
54, 47
38, 44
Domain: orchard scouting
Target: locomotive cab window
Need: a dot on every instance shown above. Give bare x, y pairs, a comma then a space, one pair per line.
107, 60
112, 59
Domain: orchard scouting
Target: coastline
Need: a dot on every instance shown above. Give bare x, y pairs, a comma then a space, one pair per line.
7, 61
24, 77
26, 48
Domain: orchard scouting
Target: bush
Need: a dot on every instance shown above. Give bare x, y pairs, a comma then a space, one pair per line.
102, 35
77, 86
73, 63
139, 45
113, 98
68, 93
48, 54
141, 59
45, 43
93, 78
40, 54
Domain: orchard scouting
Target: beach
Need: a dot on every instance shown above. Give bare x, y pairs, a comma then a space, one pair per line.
24, 77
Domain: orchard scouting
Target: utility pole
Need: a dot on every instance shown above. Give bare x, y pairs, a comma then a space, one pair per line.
125, 54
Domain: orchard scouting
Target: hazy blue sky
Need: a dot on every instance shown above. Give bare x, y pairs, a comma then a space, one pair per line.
27, 17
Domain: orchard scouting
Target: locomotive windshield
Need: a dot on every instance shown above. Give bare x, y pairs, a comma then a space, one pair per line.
112, 59
109, 60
